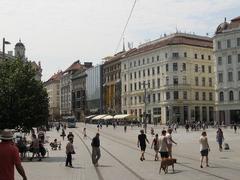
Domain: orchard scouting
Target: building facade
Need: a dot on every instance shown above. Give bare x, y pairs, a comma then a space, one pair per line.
112, 84
79, 92
53, 89
94, 91
171, 79
227, 55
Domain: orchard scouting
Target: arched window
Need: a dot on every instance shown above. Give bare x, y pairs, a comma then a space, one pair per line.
231, 97
221, 96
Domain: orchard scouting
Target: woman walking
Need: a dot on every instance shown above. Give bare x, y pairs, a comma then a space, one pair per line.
220, 138
156, 146
204, 148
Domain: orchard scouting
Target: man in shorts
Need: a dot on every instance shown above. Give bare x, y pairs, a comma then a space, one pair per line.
163, 145
142, 138
204, 148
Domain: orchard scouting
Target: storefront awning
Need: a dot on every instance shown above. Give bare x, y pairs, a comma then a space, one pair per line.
107, 117
99, 116
90, 116
121, 116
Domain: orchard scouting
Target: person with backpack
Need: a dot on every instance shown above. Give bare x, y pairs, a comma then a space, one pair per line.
96, 153
156, 146
69, 152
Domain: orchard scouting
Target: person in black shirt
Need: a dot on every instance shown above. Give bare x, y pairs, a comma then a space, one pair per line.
96, 154
142, 138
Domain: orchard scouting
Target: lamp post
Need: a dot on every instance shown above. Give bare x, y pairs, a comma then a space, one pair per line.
4, 42
145, 106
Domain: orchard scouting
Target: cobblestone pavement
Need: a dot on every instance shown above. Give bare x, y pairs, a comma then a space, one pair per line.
120, 157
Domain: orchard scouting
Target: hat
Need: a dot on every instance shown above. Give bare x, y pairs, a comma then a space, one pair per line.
6, 134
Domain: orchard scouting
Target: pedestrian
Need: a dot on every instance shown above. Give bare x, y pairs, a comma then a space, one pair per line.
125, 128
70, 136
204, 148
170, 141
84, 133
220, 138
187, 127
9, 156
35, 148
63, 134
142, 139
156, 146
96, 153
69, 152
152, 131
235, 128
163, 145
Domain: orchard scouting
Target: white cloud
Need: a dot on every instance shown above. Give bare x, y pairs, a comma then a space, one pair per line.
58, 32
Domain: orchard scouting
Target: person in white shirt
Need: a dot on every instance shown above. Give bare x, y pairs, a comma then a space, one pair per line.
163, 145
204, 148
170, 141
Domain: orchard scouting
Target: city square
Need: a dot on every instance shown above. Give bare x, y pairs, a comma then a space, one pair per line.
120, 156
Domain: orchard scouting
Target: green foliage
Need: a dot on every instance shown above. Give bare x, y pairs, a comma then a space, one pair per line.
23, 100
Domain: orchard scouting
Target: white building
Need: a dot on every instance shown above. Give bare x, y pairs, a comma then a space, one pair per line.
227, 53
177, 72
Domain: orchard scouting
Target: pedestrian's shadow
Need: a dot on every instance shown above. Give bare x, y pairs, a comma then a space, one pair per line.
54, 159
104, 165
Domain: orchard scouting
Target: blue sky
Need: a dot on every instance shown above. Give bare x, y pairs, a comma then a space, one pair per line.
59, 32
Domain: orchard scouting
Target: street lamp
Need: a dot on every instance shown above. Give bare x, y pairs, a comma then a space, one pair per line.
145, 105
4, 42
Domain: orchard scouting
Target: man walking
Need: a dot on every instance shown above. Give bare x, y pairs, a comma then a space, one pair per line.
69, 152
9, 156
96, 154
142, 138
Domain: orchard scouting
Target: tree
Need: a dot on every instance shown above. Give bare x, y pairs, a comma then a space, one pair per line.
23, 100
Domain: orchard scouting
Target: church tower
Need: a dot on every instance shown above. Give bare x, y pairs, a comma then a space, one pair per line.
20, 50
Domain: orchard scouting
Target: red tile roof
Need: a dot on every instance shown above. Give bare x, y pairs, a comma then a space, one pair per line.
75, 66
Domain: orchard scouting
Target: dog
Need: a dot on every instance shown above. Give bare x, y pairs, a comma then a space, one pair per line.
226, 146
167, 162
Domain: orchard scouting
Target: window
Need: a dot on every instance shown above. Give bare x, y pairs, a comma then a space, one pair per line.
202, 56
238, 58
130, 64
230, 76
139, 74
185, 54
130, 75
238, 75
153, 83
166, 55
209, 69
153, 71
229, 59
159, 97
143, 84
228, 43
238, 41
125, 66
221, 96
135, 63
148, 61
154, 98
144, 73
158, 70
149, 84
158, 82
185, 95
196, 68
203, 68
219, 45
184, 67
168, 96
175, 67
204, 96
152, 59
210, 96
184, 79
135, 86
125, 77
135, 75
196, 81
143, 61
196, 95
195, 56
203, 81
175, 80
231, 97
166, 67
219, 61
175, 94
210, 82
139, 85
125, 88
148, 72
220, 77
157, 58
135, 100
149, 98
140, 99
139, 62
131, 87
167, 80
209, 57
175, 55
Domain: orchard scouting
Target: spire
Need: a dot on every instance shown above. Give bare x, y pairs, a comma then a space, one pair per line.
124, 45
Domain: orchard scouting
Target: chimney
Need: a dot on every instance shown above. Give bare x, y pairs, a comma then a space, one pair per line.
88, 64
